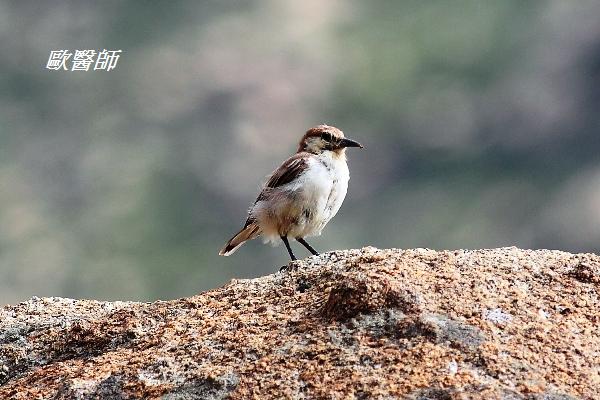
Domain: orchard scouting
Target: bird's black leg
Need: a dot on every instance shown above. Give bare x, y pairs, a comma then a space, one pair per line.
308, 246
289, 249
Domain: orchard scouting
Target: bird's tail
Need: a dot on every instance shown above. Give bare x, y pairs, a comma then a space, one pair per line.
249, 232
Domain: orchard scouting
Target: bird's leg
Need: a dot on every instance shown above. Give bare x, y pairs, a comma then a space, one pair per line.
308, 246
289, 249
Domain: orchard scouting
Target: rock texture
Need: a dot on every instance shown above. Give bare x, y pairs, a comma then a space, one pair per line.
363, 324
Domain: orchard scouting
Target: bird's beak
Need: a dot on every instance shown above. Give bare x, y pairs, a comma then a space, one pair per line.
349, 143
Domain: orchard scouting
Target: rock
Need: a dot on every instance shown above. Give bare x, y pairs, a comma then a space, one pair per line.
365, 324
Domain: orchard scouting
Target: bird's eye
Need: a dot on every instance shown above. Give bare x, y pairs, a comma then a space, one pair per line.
326, 136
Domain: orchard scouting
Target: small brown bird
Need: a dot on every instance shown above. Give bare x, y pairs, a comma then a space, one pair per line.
302, 195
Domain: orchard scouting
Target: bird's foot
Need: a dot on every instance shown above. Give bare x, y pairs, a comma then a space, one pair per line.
291, 266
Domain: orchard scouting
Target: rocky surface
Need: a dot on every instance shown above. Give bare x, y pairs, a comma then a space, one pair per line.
364, 324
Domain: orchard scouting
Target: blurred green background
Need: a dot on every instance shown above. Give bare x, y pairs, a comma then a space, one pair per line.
481, 122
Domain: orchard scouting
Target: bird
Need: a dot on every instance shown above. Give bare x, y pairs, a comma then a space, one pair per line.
302, 195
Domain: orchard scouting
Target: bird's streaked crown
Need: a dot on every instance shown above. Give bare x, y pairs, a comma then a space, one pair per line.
325, 137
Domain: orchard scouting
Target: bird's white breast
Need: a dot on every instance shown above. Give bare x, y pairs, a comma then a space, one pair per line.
325, 186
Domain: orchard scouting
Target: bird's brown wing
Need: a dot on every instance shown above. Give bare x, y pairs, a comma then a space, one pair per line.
291, 169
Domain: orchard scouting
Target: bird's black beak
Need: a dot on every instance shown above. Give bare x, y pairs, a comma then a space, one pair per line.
349, 143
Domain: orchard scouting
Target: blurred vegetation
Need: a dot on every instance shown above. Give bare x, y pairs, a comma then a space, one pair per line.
480, 121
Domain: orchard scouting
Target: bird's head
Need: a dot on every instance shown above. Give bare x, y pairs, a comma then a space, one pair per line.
326, 138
